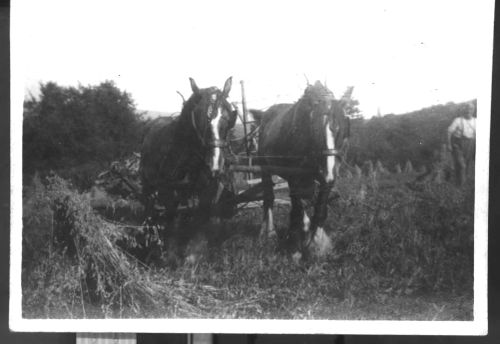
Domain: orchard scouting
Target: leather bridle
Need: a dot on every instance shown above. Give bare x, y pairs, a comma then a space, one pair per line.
332, 152
216, 143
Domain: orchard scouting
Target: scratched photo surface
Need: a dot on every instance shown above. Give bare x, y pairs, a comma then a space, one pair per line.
222, 164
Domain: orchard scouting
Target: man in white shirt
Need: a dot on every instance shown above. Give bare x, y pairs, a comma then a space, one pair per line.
462, 142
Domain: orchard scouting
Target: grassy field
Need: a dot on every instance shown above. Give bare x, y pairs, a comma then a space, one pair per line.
401, 251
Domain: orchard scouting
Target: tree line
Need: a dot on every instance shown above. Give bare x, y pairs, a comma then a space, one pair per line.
77, 131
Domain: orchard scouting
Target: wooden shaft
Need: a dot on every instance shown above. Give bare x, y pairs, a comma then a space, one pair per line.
245, 116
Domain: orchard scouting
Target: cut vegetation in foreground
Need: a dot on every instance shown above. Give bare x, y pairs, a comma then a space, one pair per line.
400, 253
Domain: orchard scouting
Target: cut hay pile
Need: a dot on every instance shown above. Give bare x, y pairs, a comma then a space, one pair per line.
105, 273
101, 276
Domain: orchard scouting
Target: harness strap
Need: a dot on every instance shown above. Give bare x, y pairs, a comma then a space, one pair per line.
218, 143
330, 152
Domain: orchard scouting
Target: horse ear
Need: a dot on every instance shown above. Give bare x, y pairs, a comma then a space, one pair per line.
227, 86
194, 87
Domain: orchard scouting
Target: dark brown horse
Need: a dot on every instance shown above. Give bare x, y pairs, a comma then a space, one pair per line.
182, 156
310, 134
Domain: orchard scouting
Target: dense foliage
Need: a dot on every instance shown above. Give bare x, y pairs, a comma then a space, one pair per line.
78, 130
350, 104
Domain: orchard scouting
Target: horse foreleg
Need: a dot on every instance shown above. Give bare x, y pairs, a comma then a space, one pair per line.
208, 191
299, 231
168, 199
320, 240
267, 228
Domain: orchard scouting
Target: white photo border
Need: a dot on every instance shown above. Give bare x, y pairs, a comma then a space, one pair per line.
478, 326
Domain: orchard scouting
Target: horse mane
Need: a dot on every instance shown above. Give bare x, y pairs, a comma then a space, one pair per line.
318, 91
189, 105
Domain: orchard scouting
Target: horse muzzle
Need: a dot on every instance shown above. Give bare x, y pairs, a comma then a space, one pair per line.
217, 160
330, 156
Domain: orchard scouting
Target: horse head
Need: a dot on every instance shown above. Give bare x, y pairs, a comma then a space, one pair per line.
211, 117
329, 128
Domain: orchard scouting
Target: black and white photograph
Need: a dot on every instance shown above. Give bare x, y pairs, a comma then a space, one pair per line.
300, 167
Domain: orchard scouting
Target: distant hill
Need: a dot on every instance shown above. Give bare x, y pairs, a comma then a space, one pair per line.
148, 114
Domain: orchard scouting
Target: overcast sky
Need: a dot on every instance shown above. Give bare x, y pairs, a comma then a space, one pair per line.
399, 55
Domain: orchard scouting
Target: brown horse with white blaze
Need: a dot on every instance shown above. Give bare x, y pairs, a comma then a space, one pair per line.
182, 157
311, 135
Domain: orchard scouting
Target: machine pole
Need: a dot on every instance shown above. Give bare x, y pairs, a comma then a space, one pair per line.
245, 116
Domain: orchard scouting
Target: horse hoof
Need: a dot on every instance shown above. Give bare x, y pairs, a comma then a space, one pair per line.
322, 244
191, 259
297, 256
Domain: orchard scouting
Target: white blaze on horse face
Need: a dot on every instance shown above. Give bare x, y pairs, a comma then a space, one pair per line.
330, 159
306, 222
215, 130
